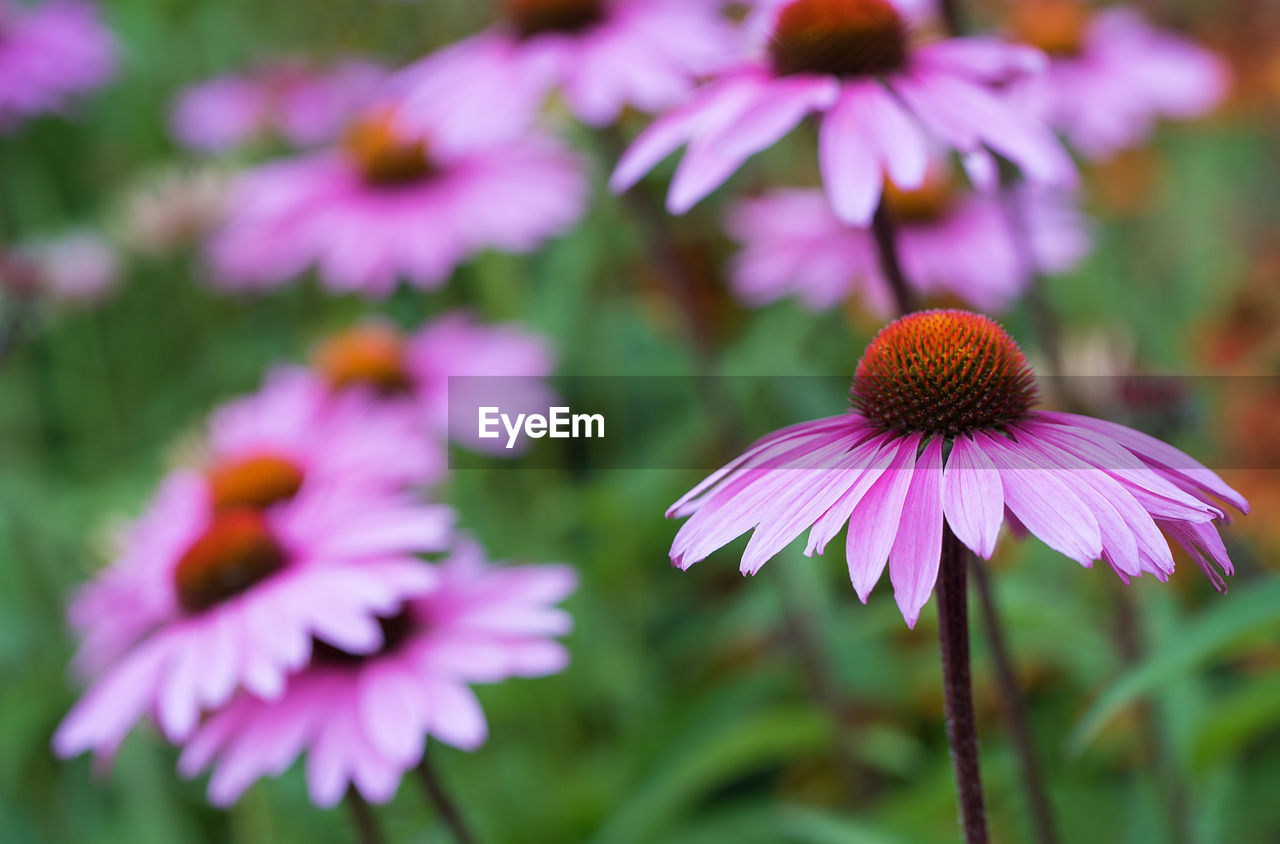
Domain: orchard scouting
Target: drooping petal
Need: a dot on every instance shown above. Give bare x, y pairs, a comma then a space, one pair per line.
917, 548
875, 521
847, 156
972, 497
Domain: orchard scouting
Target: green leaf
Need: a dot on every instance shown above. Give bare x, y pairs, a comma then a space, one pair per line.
1254, 613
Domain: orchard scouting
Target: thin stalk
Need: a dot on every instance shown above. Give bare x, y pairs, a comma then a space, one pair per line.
884, 229
444, 803
367, 831
1014, 711
957, 685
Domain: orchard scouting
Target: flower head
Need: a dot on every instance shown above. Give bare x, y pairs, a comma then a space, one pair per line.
1111, 75
881, 94
303, 105
951, 243
601, 55
363, 718
50, 53
942, 431
390, 204
414, 370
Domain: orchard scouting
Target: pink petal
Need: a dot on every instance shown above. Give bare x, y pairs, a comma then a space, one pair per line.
874, 523
847, 156
972, 496
917, 548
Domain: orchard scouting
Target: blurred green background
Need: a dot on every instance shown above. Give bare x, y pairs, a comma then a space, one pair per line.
699, 707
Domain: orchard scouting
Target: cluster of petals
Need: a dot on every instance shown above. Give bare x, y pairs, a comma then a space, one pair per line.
792, 244
1126, 75
304, 106
641, 54
949, 93
335, 547
49, 54
364, 722
322, 210
1088, 488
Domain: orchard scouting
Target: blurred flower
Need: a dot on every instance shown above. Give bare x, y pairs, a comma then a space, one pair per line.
174, 209
303, 105
881, 97
603, 55
76, 268
388, 205
1111, 74
363, 719
240, 597
48, 54
416, 369
942, 429
949, 242
297, 487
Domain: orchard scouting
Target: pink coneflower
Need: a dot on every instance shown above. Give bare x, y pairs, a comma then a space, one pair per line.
364, 719
236, 596
292, 440
881, 96
49, 54
602, 55
415, 369
950, 243
1111, 75
389, 205
941, 432
302, 105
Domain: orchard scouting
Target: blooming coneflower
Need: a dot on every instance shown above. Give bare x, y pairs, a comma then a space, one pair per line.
942, 432
363, 719
239, 602
388, 205
291, 441
602, 55
302, 105
415, 370
950, 242
1111, 75
50, 53
881, 95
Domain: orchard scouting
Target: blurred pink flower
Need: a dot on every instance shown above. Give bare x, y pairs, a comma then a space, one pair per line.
364, 720
387, 205
950, 243
76, 268
48, 54
881, 96
510, 365
942, 433
1111, 74
305, 106
292, 440
602, 55
239, 599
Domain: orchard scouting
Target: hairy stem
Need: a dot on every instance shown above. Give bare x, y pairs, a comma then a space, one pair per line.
953, 641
